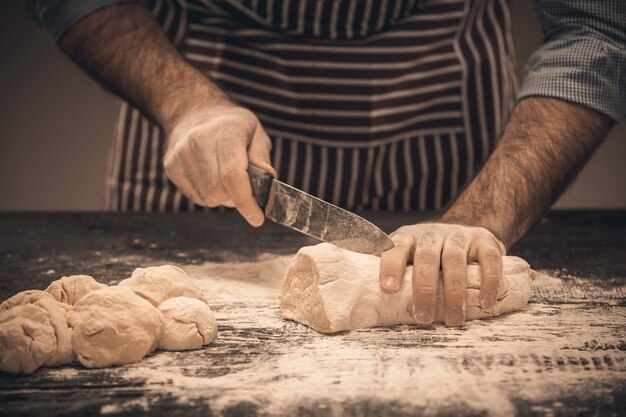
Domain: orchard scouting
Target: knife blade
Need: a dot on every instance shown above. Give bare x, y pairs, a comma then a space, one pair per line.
315, 217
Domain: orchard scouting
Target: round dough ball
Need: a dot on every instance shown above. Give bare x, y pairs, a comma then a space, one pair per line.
189, 324
25, 297
27, 338
159, 283
71, 289
113, 326
33, 332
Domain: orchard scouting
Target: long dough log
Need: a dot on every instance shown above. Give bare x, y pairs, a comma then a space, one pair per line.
333, 290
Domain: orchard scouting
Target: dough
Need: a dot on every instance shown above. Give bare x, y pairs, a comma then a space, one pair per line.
71, 289
100, 325
26, 297
333, 290
27, 338
33, 332
158, 283
189, 324
113, 326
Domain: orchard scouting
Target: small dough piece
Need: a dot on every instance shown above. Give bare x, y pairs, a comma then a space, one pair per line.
189, 324
114, 326
159, 283
71, 289
33, 332
27, 339
25, 297
333, 290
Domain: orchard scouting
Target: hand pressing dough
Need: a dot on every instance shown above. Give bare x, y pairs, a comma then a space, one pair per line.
113, 326
71, 289
333, 290
33, 333
159, 283
189, 324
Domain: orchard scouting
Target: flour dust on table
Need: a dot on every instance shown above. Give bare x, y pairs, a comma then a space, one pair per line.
564, 348
78, 318
324, 287
562, 353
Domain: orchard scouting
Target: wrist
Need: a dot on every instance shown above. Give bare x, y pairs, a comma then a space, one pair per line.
181, 102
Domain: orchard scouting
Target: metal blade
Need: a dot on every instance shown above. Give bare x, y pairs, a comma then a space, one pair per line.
317, 218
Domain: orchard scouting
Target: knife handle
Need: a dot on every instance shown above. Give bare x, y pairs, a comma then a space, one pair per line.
261, 182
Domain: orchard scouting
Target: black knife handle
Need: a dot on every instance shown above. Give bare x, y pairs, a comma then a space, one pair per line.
261, 183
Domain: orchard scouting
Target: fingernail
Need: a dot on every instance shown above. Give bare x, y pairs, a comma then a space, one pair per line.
389, 283
254, 219
454, 317
423, 314
488, 300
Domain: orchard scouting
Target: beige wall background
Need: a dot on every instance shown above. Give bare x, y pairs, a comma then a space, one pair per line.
56, 124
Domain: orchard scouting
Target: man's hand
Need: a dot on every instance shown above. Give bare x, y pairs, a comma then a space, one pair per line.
208, 155
430, 246
210, 139
545, 143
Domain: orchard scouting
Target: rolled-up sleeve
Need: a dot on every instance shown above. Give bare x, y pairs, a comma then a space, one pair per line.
58, 15
583, 59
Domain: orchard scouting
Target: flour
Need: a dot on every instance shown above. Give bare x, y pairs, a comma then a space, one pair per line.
261, 278
470, 369
536, 355
142, 404
568, 343
573, 288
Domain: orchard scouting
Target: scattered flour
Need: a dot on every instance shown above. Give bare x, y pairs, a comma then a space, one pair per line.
568, 342
538, 355
261, 278
142, 404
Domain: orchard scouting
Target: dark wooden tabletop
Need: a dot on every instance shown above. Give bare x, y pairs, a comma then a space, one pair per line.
581, 254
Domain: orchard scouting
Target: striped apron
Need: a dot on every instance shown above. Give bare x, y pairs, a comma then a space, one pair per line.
370, 104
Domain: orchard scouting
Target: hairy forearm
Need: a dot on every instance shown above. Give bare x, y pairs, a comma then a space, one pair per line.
545, 144
125, 50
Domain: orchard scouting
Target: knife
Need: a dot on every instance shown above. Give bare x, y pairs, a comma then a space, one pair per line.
312, 216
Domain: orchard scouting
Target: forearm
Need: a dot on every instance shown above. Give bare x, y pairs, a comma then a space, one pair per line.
124, 49
545, 144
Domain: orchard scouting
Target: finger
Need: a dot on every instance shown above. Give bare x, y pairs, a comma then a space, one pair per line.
454, 266
233, 166
426, 261
489, 256
393, 263
259, 151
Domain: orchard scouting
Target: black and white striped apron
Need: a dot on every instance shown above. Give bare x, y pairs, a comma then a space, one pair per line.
370, 104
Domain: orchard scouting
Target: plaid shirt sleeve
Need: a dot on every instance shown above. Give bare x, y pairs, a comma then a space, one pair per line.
583, 59
58, 15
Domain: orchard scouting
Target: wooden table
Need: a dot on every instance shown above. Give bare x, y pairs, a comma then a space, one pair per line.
565, 355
